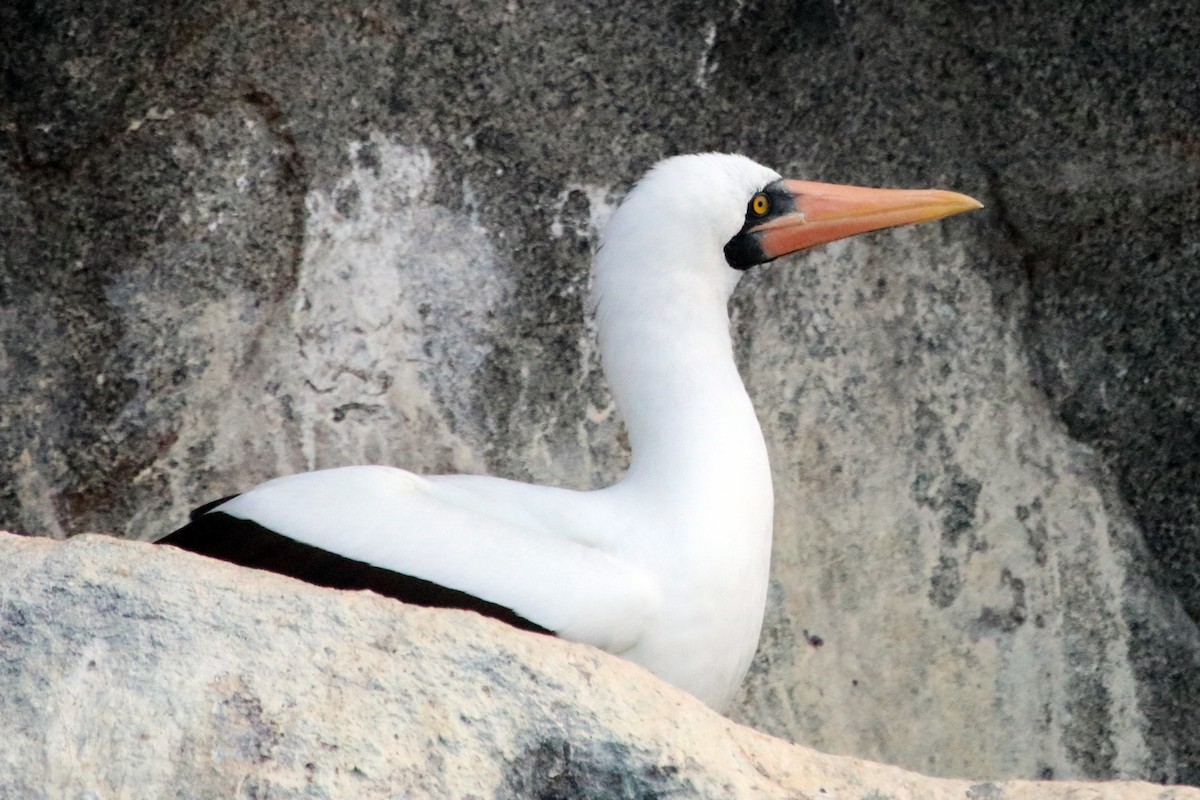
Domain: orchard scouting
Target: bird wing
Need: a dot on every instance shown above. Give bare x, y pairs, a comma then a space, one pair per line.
507, 543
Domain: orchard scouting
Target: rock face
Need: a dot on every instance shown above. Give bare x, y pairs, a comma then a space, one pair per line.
238, 241
132, 671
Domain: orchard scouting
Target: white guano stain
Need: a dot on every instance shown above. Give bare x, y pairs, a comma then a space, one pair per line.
390, 313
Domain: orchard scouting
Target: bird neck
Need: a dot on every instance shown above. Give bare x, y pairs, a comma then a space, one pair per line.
692, 429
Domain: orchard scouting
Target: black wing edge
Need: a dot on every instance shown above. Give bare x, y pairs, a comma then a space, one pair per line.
248, 544
199, 512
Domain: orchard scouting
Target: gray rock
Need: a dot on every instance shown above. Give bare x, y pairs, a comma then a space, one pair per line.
135, 671
240, 241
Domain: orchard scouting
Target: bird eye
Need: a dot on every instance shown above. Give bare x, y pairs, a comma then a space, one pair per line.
760, 205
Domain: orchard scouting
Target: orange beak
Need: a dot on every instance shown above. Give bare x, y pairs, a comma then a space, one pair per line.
825, 212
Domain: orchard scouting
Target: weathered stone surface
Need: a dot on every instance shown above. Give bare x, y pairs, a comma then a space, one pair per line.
133, 671
237, 241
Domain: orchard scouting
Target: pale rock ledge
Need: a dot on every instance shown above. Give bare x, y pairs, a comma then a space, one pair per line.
130, 671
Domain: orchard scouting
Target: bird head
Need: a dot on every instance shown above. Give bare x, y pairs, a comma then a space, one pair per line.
713, 216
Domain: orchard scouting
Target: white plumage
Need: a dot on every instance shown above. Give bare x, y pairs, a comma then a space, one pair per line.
669, 566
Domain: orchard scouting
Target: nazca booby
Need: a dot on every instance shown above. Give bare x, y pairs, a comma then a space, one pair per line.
669, 566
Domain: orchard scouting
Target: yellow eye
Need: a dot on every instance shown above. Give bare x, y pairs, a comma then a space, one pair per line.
760, 205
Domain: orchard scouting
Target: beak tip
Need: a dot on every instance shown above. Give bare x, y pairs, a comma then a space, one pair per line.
962, 203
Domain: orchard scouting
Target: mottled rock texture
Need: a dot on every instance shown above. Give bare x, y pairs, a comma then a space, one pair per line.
130, 671
238, 240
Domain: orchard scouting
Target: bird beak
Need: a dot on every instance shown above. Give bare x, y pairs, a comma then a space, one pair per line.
825, 212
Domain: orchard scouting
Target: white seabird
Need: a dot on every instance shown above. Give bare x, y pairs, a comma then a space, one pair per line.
668, 567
